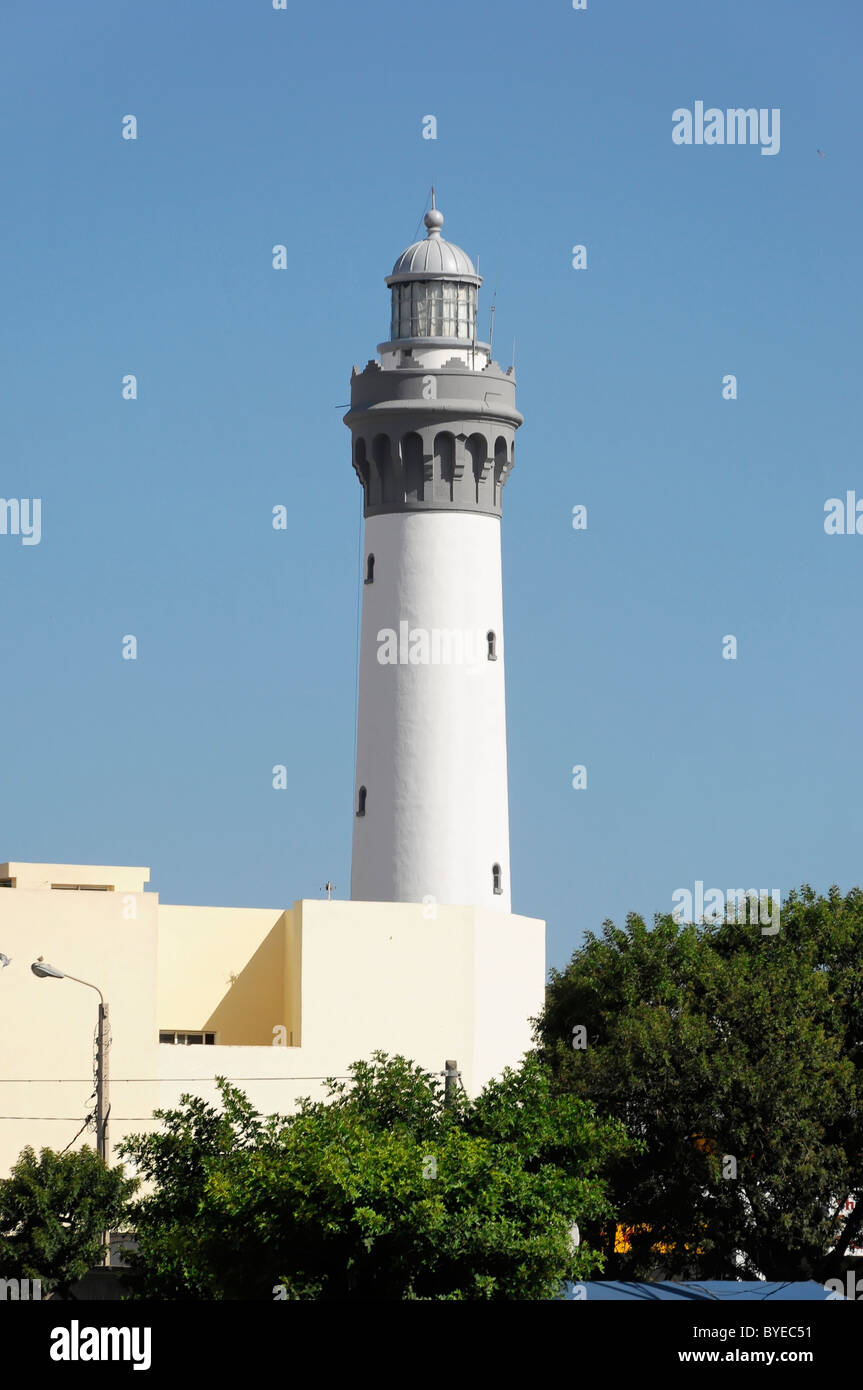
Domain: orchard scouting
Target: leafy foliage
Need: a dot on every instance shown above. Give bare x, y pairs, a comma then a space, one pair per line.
380, 1191
53, 1210
715, 1043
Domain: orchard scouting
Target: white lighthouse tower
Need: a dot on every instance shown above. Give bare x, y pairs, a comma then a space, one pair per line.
432, 425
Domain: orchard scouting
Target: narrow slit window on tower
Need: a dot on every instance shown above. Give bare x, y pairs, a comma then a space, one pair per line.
361, 802
495, 878
492, 653
370, 570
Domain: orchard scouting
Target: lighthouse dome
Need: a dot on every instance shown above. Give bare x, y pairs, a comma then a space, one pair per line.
434, 258
434, 287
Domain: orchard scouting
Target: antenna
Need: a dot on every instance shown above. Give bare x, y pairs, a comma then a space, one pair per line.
513, 354
420, 219
491, 325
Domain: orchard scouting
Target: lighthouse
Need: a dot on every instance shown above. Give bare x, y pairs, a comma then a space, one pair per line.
432, 424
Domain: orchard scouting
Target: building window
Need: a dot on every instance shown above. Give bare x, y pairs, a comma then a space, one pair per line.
361, 802
187, 1038
495, 878
7, 883
370, 570
492, 653
85, 887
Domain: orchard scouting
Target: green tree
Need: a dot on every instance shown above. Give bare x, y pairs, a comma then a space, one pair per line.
736, 1056
53, 1210
380, 1191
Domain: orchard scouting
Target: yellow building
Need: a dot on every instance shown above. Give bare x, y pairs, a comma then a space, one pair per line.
275, 999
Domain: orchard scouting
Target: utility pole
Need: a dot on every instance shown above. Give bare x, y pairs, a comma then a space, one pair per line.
103, 1105
451, 1076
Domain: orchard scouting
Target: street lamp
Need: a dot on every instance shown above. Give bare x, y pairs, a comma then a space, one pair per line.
44, 971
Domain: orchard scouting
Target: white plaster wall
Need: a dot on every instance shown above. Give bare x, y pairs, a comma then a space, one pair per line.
474, 357
431, 739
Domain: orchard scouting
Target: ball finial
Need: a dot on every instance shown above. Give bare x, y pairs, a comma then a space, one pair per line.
434, 222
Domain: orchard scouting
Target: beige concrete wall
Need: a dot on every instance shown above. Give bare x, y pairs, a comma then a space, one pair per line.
202, 948
116, 879
384, 976
47, 1026
381, 975
340, 979
509, 990
461, 984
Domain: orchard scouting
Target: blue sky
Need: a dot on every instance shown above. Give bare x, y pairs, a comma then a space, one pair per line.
705, 516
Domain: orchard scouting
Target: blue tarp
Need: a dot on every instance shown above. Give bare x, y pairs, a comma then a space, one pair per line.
726, 1290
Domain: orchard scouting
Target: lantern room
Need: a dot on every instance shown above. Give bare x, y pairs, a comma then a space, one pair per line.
434, 288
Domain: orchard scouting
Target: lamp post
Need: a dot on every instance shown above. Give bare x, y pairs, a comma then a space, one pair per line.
49, 972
